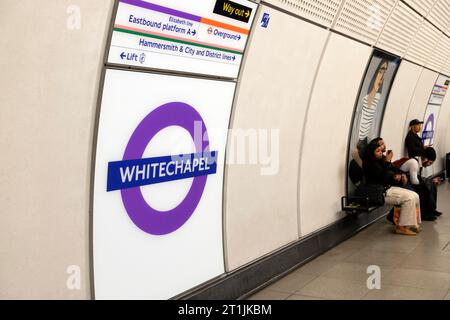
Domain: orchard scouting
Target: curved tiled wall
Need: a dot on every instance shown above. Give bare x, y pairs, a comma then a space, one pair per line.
298, 77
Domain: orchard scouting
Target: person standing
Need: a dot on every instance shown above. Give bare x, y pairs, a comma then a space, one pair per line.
413, 142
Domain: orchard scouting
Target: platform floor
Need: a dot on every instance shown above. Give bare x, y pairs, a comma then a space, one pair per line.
412, 268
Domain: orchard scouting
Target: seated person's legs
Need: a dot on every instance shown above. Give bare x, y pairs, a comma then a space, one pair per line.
409, 201
426, 205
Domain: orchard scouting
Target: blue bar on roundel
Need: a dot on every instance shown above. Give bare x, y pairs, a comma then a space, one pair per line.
142, 172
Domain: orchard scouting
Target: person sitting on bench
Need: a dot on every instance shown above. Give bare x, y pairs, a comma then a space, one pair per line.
378, 171
426, 190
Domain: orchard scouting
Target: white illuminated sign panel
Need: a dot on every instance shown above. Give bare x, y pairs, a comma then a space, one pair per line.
157, 220
434, 105
432, 115
198, 36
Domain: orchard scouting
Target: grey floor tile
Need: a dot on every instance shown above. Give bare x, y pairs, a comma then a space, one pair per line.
442, 228
400, 244
443, 203
364, 236
418, 279
353, 244
379, 258
404, 293
339, 253
292, 282
353, 271
439, 227
428, 263
420, 251
429, 226
391, 236
381, 230
411, 267
328, 288
437, 241
317, 266
298, 297
269, 295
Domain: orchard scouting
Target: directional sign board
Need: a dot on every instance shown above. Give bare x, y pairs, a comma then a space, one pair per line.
432, 115
434, 104
198, 36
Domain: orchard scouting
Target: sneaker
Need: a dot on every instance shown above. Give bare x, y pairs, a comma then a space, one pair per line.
407, 231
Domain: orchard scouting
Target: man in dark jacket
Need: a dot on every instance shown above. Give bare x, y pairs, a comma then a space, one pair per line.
413, 142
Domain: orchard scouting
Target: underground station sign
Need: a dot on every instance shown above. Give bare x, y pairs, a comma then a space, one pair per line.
158, 187
196, 36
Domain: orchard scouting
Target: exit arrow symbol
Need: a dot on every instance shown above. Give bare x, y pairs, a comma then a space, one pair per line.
247, 14
194, 32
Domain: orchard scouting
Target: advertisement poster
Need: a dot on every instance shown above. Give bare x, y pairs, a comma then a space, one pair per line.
157, 214
371, 103
198, 36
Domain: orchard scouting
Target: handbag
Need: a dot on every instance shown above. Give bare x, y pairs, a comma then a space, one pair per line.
373, 194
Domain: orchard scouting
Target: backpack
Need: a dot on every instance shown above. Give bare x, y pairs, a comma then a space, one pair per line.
400, 162
371, 194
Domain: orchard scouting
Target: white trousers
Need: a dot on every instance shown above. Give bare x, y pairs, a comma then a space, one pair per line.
410, 205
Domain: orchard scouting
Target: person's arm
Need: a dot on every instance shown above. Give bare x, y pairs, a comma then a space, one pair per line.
413, 169
356, 157
371, 172
387, 175
377, 173
395, 179
389, 156
388, 166
405, 179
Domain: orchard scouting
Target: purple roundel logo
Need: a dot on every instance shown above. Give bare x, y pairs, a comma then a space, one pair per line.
133, 172
428, 131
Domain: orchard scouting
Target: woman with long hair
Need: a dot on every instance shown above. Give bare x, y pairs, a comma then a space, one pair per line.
378, 171
369, 111
371, 100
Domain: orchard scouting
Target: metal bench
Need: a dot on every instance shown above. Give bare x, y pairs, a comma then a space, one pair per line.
356, 205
